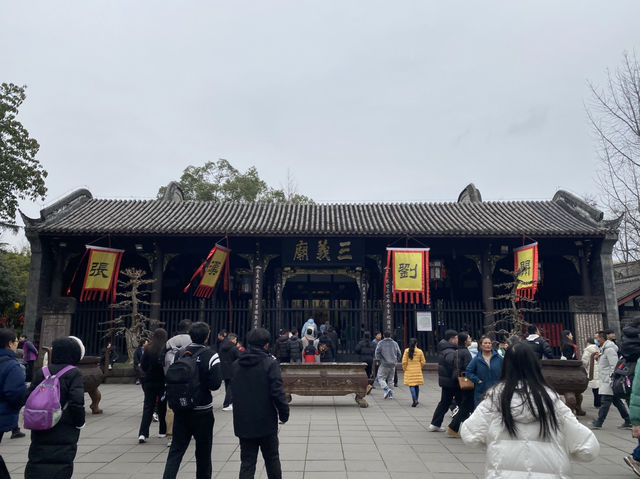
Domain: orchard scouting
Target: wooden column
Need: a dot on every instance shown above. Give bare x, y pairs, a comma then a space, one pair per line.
278, 288
258, 279
364, 286
387, 304
486, 270
156, 295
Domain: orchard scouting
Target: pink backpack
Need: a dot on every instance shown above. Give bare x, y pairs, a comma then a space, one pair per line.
42, 410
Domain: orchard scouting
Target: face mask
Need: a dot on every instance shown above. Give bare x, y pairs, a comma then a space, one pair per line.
597, 342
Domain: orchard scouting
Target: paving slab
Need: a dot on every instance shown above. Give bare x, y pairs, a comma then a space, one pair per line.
387, 440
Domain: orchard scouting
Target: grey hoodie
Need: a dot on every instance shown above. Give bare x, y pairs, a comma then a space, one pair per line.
388, 352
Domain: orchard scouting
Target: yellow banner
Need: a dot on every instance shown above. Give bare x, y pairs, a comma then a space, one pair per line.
100, 269
212, 273
525, 261
408, 271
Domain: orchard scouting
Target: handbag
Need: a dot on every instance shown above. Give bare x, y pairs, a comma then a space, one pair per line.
464, 382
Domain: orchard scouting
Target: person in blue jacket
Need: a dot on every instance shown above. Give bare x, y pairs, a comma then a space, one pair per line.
12, 385
485, 369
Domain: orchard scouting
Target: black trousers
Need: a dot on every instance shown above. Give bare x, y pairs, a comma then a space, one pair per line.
152, 394
465, 408
188, 424
446, 396
228, 398
606, 400
249, 454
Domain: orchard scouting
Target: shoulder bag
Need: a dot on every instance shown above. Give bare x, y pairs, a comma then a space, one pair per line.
464, 382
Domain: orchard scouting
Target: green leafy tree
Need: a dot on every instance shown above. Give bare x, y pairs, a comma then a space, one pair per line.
21, 175
14, 276
221, 181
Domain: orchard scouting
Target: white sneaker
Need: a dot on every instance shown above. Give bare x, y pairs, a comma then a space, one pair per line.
141, 439
169, 442
161, 435
155, 417
228, 408
433, 428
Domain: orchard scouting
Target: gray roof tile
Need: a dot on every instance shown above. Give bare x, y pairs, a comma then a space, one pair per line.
156, 217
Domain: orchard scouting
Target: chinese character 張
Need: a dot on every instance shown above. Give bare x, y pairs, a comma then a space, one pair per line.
99, 269
345, 251
323, 250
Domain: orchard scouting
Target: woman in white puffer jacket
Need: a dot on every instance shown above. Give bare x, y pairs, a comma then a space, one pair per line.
527, 429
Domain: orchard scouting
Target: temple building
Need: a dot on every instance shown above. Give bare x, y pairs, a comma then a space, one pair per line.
289, 262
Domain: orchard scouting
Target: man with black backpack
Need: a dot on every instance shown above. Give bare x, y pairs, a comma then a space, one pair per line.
539, 345
190, 380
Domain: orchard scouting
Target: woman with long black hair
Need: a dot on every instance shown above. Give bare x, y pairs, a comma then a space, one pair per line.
527, 429
569, 348
153, 384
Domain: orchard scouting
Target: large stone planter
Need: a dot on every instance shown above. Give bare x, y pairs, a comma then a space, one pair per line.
567, 377
325, 379
92, 375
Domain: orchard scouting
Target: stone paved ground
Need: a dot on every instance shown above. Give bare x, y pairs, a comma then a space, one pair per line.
325, 438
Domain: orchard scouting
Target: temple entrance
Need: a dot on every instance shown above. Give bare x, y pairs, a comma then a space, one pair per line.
332, 299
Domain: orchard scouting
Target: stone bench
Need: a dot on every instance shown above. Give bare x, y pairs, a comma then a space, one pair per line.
325, 379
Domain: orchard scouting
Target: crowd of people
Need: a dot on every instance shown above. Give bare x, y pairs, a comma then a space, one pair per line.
495, 391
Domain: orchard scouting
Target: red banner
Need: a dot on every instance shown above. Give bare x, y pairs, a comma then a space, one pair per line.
410, 274
216, 265
101, 278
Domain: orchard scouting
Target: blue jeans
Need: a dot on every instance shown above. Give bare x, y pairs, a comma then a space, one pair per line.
636, 452
415, 392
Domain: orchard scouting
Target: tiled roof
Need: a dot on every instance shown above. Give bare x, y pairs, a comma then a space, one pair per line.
627, 289
81, 214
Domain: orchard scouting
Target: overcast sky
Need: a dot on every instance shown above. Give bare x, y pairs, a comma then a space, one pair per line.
361, 101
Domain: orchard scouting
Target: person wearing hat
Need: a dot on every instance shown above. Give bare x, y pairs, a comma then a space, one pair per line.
52, 451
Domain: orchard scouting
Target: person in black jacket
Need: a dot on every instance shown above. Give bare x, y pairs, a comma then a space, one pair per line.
52, 451
465, 406
197, 422
12, 387
447, 380
539, 345
282, 351
137, 359
366, 349
228, 352
295, 347
259, 402
152, 363
325, 346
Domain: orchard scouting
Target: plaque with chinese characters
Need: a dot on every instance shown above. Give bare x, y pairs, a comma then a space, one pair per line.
321, 252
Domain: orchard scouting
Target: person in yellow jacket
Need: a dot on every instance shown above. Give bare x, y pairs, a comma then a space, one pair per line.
412, 362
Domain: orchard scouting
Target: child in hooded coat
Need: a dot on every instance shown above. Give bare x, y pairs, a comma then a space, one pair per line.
52, 452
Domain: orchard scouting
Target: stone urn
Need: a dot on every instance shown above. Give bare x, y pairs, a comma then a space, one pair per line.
92, 376
567, 377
